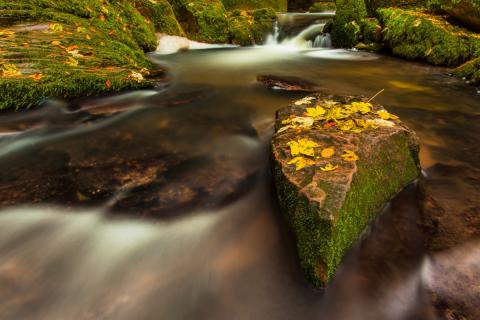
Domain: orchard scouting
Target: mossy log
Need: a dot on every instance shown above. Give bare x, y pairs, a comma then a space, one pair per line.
329, 210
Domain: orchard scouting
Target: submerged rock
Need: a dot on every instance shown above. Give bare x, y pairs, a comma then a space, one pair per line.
337, 161
287, 83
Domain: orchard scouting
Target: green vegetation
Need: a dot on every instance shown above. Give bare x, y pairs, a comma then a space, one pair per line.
322, 6
346, 26
250, 27
417, 35
469, 71
71, 48
202, 20
276, 5
160, 13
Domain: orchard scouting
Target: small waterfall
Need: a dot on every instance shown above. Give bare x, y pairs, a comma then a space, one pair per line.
305, 31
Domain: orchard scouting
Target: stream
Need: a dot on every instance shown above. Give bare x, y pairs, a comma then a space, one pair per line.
159, 204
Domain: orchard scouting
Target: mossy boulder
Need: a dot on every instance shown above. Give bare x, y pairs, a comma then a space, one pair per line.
276, 5
469, 71
323, 6
71, 48
467, 12
346, 28
204, 21
160, 14
330, 196
413, 34
250, 27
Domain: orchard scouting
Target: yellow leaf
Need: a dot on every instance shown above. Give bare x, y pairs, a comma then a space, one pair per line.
56, 27
55, 43
88, 37
302, 146
350, 156
301, 162
385, 115
328, 152
36, 77
329, 167
9, 70
347, 125
72, 62
316, 112
81, 29
362, 107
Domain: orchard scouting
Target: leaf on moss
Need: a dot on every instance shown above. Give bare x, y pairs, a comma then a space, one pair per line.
56, 27
55, 43
72, 62
36, 77
136, 76
9, 70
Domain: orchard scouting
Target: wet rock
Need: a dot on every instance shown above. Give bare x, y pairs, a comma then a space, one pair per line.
330, 192
287, 83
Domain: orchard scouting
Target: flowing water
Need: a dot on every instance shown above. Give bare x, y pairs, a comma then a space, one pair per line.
159, 204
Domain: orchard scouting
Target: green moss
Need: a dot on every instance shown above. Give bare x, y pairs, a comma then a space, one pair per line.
322, 6
202, 20
469, 71
321, 241
276, 5
373, 5
346, 25
250, 27
106, 43
371, 30
416, 35
160, 13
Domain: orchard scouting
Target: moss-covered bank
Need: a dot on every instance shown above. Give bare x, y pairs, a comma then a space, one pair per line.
71, 48
329, 207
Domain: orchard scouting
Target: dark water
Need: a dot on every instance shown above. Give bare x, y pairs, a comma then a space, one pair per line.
159, 204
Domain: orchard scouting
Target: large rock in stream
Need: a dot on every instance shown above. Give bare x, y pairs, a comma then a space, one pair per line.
337, 162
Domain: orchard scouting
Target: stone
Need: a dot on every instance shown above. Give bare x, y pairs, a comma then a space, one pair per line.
287, 83
329, 210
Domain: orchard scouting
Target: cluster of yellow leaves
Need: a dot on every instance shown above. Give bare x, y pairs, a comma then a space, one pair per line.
302, 146
303, 153
136, 76
345, 117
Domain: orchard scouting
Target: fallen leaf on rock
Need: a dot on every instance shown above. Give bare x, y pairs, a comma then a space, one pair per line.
305, 100
316, 112
328, 152
329, 167
301, 162
108, 84
385, 115
350, 156
302, 146
362, 107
